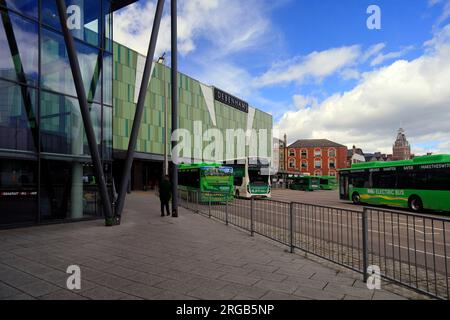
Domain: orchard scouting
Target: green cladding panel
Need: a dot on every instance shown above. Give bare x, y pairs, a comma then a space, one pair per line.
192, 107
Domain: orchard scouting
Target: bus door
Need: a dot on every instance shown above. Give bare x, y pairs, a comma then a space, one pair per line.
343, 185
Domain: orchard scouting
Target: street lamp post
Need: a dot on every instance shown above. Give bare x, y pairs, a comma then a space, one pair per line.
161, 61
174, 54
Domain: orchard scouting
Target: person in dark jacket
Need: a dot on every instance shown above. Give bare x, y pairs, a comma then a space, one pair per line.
165, 193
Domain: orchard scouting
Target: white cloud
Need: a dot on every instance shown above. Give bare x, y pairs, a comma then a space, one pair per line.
229, 26
372, 51
445, 10
381, 57
302, 102
316, 66
233, 79
217, 37
350, 74
413, 94
320, 65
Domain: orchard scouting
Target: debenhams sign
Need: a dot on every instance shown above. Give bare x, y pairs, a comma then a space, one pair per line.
230, 100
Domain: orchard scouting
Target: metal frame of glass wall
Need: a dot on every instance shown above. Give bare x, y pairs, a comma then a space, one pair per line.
46, 172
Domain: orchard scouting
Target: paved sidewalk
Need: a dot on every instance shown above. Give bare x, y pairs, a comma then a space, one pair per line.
149, 257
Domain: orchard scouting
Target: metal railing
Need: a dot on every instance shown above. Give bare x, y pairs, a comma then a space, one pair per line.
409, 249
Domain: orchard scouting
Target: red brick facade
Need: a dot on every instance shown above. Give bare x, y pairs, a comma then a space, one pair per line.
307, 160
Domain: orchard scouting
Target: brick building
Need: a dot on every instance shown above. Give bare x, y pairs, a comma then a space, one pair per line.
318, 157
401, 149
283, 153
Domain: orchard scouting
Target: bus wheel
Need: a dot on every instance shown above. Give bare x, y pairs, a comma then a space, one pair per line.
356, 198
415, 204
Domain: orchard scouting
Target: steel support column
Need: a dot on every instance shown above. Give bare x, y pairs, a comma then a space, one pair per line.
139, 109
84, 107
174, 57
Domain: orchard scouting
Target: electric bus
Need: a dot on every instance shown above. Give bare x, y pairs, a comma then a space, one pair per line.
251, 177
421, 183
303, 183
328, 183
213, 182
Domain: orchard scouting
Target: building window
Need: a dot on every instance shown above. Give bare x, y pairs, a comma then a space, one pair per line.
90, 25
292, 163
18, 114
56, 73
25, 53
332, 164
62, 129
333, 173
332, 152
108, 79
317, 153
18, 188
304, 153
318, 164
317, 173
291, 152
26, 7
305, 164
107, 145
69, 190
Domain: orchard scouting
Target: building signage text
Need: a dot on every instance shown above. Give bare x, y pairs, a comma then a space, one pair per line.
230, 100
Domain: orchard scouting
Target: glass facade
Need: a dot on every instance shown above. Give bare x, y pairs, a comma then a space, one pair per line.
46, 172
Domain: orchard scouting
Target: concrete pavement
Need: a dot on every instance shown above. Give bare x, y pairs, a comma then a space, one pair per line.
149, 257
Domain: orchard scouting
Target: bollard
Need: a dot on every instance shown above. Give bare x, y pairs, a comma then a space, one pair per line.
365, 238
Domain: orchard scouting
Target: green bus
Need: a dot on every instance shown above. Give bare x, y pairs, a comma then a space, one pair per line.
328, 183
303, 183
213, 181
421, 183
251, 177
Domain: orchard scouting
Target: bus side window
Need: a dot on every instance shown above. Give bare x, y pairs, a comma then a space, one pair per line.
414, 180
381, 180
405, 180
359, 179
439, 180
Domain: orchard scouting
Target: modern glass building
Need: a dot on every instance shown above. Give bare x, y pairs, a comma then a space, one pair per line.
198, 102
45, 166
46, 172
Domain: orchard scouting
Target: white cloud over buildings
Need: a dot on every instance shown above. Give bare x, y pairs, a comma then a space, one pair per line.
411, 93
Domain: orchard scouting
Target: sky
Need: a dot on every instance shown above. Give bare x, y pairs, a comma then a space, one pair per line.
316, 66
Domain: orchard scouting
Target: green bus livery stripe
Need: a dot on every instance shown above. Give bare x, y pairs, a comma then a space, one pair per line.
368, 197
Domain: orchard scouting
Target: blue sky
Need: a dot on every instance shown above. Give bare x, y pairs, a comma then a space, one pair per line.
316, 66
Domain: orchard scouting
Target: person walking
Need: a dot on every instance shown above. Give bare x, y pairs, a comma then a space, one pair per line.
165, 193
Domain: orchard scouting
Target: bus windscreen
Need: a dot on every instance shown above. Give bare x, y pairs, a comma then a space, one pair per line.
216, 172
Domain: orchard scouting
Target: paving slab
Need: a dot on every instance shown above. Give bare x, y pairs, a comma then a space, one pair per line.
149, 257
8, 291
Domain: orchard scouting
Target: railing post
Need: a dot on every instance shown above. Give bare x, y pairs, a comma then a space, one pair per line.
209, 201
190, 201
365, 239
197, 197
291, 226
251, 215
226, 210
